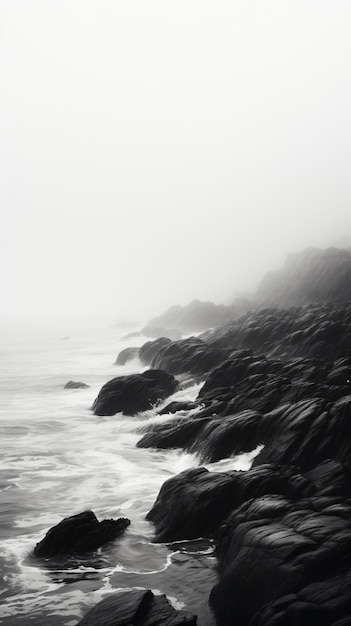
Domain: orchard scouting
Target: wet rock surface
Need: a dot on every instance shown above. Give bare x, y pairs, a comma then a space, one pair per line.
79, 533
289, 407
310, 331
195, 502
136, 607
190, 356
134, 393
282, 548
282, 529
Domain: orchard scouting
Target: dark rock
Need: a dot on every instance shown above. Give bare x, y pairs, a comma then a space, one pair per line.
311, 331
308, 432
294, 556
138, 607
75, 385
191, 356
290, 407
150, 348
178, 405
195, 502
128, 354
79, 533
177, 433
326, 603
134, 393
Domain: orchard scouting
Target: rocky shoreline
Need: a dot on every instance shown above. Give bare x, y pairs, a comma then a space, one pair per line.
276, 381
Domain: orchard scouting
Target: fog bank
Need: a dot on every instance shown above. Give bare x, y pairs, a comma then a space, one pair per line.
155, 152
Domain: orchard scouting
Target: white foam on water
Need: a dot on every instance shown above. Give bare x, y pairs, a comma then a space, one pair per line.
57, 459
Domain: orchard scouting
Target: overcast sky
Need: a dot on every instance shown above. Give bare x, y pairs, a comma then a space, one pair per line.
156, 151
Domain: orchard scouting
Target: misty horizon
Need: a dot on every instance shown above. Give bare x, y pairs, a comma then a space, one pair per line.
155, 153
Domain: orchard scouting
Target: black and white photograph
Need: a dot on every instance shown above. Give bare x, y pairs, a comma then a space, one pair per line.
175, 313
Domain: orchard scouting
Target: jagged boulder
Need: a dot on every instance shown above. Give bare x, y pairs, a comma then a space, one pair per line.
195, 502
188, 356
136, 607
79, 533
134, 393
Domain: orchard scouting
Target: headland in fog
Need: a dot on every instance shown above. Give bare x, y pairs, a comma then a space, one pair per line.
275, 374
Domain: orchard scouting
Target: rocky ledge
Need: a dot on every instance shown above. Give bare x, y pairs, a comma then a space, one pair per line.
282, 530
276, 383
79, 533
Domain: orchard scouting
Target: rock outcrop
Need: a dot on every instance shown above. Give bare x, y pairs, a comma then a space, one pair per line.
137, 607
196, 502
313, 275
194, 317
294, 555
188, 356
134, 393
79, 533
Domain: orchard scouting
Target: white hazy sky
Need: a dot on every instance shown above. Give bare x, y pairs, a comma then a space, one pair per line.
154, 151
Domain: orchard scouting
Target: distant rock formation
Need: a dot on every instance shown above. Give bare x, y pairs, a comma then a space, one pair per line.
75, 385
312, 276
195, 317
79, 533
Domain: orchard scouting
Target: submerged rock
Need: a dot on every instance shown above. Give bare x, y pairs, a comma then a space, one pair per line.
138, 607
79, 533
75, 385
134, 393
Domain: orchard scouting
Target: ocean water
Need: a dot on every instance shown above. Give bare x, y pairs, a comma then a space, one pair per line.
58, 459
